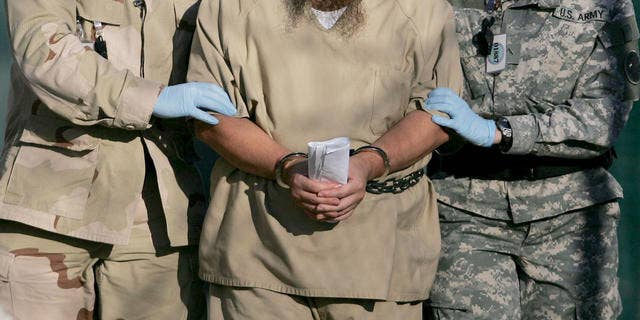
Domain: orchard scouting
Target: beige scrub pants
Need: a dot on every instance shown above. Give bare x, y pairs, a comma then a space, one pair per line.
226, 303
49, 276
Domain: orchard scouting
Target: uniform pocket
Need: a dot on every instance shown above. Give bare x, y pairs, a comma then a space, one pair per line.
106, 11
6, 299
391, 95
120, 31
567, 55
474, 73
53, 169
451, 214
6, 261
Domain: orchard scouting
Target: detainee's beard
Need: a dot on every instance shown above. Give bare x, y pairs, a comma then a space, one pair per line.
351, 20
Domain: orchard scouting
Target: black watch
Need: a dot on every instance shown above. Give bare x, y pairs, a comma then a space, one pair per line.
507, 134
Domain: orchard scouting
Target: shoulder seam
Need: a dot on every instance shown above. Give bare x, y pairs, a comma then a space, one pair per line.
413, 24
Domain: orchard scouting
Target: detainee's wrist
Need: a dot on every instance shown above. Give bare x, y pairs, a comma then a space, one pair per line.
371, 162
284, 165
377, 162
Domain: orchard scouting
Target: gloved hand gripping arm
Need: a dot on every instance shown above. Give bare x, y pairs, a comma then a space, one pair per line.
465, 122
193, 100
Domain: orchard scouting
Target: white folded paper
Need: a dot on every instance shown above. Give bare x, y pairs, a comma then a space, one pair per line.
329, 160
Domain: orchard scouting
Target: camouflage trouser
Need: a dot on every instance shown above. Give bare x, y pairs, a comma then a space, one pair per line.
253, 303
49, 276
558, 268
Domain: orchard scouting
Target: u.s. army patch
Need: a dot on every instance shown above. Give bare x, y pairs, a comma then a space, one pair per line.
581, 16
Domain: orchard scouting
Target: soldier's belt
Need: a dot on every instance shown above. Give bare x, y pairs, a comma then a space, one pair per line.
489, 164
395, 185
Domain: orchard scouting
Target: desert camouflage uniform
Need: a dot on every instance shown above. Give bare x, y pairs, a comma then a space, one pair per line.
86, 171
546, 248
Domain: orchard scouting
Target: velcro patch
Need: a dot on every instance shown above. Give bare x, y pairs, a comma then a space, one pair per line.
581, 16
632, 66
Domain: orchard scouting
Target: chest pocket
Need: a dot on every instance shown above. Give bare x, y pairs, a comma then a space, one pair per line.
112, 15
106, 11
469, 23
555, 58
391, 95
121, 35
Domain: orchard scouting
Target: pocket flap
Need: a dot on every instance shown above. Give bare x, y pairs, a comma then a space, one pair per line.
105, 11
475, 75
6, 260
57, 133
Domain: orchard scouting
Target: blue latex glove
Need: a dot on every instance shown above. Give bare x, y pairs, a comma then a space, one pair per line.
464, 121
193, 100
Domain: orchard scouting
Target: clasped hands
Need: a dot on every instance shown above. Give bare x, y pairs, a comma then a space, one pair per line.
329, 201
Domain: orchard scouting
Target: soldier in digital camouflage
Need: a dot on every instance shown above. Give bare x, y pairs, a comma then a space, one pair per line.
528, 210
99, 202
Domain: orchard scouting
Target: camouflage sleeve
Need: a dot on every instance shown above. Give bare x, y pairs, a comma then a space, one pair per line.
73, 81
589, 123
207, 62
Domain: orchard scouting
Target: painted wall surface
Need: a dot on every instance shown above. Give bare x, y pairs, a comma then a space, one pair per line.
626, 169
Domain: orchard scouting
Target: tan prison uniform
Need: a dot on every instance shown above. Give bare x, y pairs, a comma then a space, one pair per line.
302, 83
79, 143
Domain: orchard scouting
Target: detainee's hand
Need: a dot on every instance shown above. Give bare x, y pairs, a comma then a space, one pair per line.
350, 194
304, 191
193, 100
468, 124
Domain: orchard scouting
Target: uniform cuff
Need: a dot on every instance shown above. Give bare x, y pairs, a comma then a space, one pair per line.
137, 103
525, 133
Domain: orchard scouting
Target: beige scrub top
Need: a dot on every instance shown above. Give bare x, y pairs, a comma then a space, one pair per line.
302, 83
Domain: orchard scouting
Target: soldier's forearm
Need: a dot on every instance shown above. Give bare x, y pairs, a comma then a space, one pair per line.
586, 129
71, 80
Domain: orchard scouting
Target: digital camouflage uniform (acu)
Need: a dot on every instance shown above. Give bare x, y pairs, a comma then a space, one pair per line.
531, 233
89, 180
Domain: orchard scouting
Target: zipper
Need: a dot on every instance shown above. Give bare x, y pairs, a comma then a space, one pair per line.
142, 4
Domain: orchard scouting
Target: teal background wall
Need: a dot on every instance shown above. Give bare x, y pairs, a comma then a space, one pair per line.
626, 169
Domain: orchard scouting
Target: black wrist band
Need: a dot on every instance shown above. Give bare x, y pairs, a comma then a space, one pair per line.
504, 126
282, 162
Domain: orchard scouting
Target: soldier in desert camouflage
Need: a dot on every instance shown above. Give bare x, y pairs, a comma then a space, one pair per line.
529, 225
97, 193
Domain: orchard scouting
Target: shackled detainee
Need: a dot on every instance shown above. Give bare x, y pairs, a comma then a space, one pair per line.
278, 245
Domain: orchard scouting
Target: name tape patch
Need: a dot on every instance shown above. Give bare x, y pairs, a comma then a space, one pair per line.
497, 58
575, 15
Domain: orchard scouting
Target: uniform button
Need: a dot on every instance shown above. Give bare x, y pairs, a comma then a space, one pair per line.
130, 127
